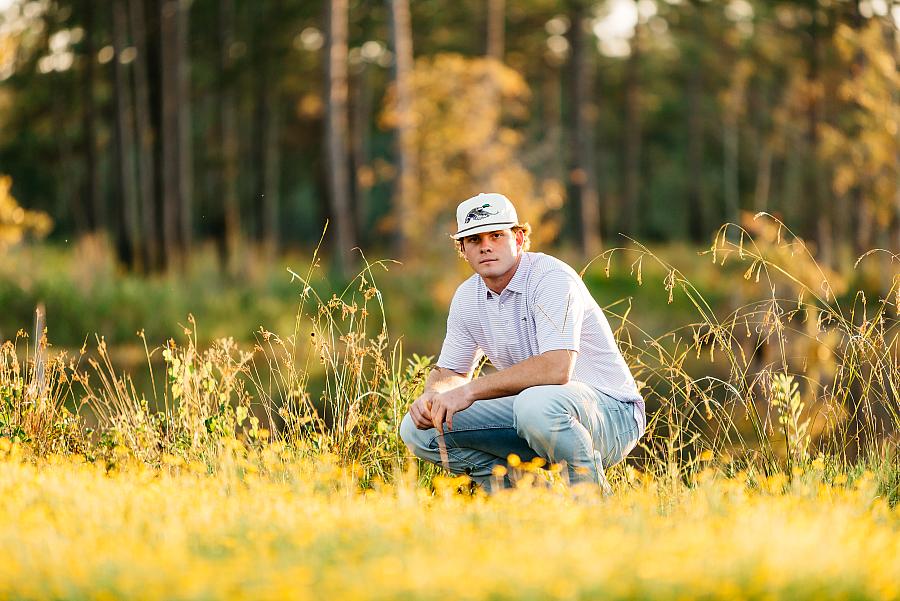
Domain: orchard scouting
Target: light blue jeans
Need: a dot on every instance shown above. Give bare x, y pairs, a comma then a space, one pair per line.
572, 423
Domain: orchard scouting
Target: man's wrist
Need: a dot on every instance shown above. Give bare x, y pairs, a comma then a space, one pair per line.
468, 391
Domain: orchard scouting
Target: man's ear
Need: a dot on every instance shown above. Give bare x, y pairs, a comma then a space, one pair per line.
520, 239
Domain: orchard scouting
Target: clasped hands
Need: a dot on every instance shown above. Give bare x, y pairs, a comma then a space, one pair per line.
433, 408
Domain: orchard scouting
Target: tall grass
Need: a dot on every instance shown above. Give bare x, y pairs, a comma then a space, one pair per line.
790, 378
807, 375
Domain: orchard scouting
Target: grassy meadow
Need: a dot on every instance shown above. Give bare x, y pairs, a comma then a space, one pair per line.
252, 451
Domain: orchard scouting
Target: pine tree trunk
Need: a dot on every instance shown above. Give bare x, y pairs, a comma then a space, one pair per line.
818, 206
360, 145
894, 234
407, 159
128, 245
231, 216
185, 144
553, 121
584, 175
93, 196
763, 177
496, 29
337, 131
734, 99
169, 131
632, 136
144, 128
696, 209
267, 122
272, 167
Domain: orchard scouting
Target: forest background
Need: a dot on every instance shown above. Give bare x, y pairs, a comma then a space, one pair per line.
178, 156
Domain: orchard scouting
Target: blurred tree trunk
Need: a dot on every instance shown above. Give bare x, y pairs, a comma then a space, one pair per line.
271, 172
696, 209
361, 114
230, 235
891, 37
494, 50
407, 183
894, 241
763, 177
173, 115
553, 121
760, 143
818, 206
92, 193
127, 240
632, 135
171, 193
496, 29
584, 113
731, 118
336, 132
857, 228
185, 144
65, 177
144, 128
267, 122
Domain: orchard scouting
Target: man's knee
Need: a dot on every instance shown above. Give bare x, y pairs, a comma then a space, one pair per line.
411, 435
532, 411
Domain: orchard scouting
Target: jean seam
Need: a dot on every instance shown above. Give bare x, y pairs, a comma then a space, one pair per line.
478, 429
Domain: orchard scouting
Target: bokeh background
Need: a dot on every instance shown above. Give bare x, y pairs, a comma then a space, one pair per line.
170, 157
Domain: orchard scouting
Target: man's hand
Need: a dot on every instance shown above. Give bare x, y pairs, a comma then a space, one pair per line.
439, 379
445, 404
420, 410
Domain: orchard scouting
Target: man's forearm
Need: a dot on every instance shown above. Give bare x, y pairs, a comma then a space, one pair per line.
554, 367
440, 379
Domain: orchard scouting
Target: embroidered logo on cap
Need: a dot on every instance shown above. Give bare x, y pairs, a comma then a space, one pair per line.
479, 213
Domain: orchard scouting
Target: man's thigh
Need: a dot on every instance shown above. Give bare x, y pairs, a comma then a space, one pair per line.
608, 422
487, 426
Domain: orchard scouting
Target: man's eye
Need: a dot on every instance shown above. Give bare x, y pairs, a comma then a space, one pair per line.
498, 235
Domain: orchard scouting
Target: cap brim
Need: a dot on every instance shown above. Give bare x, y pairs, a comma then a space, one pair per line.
483, 227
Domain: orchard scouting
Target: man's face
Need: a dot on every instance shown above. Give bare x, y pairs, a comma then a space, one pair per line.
493, 254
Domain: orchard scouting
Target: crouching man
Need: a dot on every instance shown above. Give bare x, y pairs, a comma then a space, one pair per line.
562, 390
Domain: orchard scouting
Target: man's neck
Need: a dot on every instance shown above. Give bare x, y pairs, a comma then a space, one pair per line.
499, 283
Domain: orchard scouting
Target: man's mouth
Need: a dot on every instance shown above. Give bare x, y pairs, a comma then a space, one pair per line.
487, 260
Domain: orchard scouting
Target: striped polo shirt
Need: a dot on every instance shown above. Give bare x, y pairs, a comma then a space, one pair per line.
546, 306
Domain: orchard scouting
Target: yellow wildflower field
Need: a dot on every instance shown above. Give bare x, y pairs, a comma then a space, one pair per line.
280, 528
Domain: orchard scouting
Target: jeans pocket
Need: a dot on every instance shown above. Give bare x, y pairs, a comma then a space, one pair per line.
623, 438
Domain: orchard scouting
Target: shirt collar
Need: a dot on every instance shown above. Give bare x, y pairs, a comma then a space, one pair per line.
517, 283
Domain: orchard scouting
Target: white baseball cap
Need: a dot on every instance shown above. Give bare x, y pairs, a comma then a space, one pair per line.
484, 213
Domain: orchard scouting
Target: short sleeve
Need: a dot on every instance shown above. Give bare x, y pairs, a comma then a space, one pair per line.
558, 312
459, 352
